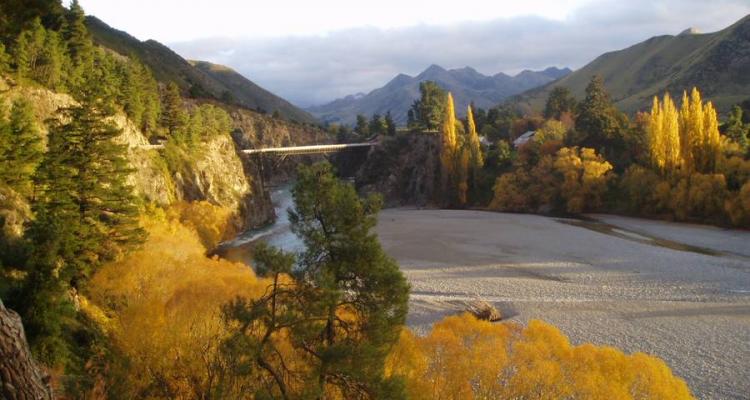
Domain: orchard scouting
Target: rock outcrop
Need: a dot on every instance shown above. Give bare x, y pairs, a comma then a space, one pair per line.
403, 169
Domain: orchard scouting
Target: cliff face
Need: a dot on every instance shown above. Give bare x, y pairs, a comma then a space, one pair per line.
403, 169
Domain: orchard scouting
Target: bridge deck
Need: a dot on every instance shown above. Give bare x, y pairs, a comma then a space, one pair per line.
314, 149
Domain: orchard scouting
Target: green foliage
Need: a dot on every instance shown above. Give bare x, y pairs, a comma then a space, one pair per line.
76, 35
173, 115
363, 127
428, 112
17, 15
139, 95
736, 129
20, 148
390, 124
39, 55
559, 102
345, 309
377, 125
4, 59
598, 122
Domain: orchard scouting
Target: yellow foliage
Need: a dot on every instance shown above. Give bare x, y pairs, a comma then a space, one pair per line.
738, 207
585, 176
212, 223
165, 304
465, 358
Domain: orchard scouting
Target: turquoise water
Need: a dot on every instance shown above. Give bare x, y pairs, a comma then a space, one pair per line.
278, 234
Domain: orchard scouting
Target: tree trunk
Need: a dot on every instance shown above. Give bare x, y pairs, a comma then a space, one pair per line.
20, 377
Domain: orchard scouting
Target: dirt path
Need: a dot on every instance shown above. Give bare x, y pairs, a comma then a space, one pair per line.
632, 286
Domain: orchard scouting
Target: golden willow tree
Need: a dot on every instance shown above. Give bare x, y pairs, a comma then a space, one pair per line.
687, 139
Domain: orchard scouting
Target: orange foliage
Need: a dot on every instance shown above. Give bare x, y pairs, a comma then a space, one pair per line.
212, 223
465, 358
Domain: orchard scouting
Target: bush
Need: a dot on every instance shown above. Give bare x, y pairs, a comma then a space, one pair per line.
465, 358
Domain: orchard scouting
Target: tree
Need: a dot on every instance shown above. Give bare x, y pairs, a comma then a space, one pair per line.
4, 59
428, 112
172, 116
663, 133
22, 151
76, 35
735, 128
449, 153
378, 125
476, 158
598, 121
362, 128
560, 101
343, 311
390, 124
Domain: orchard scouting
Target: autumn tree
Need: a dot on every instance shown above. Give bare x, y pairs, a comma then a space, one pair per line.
449, 153
474, 151
664, 135
699, 133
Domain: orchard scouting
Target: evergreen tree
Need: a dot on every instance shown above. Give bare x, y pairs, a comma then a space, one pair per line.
390, 124
735, 128
560, 101
377, 126
345, 309
172, 116
428, 112
76, 35
4, 59
39, 55
598, 120
363, 127
22, 150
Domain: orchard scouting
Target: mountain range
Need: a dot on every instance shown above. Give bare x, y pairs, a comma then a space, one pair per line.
717, 63
466, 84
196, 78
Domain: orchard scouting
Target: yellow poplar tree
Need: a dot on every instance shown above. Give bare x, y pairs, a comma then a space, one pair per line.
448, 149
476, 159
655, 136
699, 133
710, 139
671, 132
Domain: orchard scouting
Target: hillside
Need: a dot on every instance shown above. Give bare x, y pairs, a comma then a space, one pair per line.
466, 84
199, 79
250, 95
718, 63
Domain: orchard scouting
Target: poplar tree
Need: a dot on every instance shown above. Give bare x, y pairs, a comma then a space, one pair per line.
699, 133
448, 152
476, 158
671, 133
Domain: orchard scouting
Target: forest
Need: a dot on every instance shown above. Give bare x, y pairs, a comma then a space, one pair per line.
119, 298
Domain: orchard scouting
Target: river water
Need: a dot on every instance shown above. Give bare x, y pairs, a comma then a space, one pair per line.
277, 234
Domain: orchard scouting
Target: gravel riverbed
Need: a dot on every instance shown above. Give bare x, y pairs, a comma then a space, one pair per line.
629, 284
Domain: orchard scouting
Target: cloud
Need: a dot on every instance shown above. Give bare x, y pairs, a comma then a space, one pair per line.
311, 70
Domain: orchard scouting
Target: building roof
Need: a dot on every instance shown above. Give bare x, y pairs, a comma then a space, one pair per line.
528, 135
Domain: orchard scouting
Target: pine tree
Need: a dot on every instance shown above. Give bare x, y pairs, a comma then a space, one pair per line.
4, 60
598, 120
76, 35
344, 311
23, 150
560, 101
172, 116
390, 124
28, 49
736, 128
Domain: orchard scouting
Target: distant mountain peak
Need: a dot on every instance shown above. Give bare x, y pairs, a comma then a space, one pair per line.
690, 31
467, 85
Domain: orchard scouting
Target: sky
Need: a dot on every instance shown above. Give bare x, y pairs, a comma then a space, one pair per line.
312, 52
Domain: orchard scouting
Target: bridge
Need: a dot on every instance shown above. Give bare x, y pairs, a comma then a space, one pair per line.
290, 150
314, 149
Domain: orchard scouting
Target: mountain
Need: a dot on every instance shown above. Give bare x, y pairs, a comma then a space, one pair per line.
717, 63
197, 78
466, 84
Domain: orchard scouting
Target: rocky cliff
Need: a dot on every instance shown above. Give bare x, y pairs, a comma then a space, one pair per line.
217, 174
403, 169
